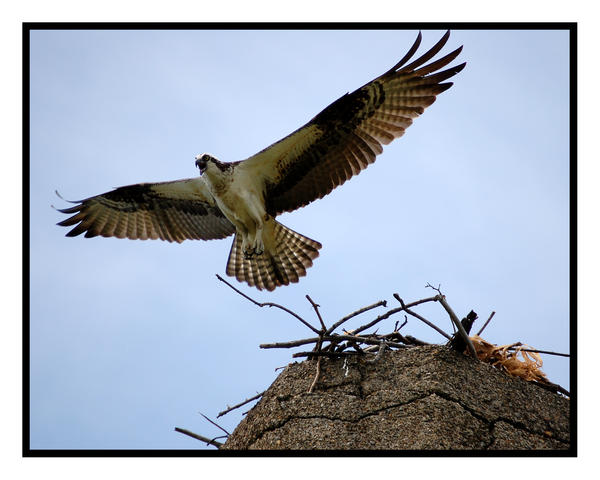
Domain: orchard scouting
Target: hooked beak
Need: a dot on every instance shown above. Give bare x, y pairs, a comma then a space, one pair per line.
201, 164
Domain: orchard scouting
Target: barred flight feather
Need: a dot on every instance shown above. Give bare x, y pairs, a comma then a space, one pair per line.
287, 256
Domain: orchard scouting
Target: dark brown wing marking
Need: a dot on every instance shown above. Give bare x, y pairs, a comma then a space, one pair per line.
347, 136
172, 211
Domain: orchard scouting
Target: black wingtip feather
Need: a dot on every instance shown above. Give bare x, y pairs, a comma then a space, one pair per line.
76, 231
74, 209
444, 86
62, 198
429, 54
408, 55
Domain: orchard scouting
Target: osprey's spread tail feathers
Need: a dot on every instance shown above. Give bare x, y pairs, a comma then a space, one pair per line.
285, 259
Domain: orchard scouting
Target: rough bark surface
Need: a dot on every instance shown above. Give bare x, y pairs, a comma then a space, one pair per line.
427, 398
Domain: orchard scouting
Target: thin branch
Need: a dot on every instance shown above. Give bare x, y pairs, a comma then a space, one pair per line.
391, 312
415, 341
382, 347
459, 325
292, 344
316, 307
437, 289
406, 340
415, 303
229, 409
486, 323
317, 349
416, 315
208, 441
215, 424
370, 349
335, 339
387, 314
314, 382
268, 304
340, 347
354, 314
424, 320
313, 354
398, 328
355, 340
541, 351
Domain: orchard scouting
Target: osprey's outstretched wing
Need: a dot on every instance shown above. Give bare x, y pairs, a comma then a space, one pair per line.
346, 137
172, 211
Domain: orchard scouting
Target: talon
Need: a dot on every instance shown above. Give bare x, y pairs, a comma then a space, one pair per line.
249, 251
260, 247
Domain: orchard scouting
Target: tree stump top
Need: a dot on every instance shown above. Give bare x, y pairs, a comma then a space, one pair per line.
422, 398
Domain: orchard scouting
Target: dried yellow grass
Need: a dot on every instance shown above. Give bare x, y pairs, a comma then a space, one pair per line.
506, 358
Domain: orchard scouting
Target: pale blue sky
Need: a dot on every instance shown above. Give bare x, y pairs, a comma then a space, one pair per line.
130, 339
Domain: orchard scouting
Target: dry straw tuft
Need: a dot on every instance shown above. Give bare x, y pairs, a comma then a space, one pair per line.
506, 358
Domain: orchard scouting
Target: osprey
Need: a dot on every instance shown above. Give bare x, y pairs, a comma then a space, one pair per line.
244, 197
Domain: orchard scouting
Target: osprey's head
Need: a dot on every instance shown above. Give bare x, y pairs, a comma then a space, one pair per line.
203, 160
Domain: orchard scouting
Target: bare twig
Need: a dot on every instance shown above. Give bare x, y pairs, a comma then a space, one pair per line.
314, 382
391, 312
424, 320
336, 338
316, 307
397, 328
268, 304
370, 348
382, 347
486, 323
229, 409
292, 344
340, 347
313, 354
354, 314
208, 441
437, 289
415, 341
215, 424
416, 315
415, 303
358, 339
317, 350
459, 325
540, 351
296, 343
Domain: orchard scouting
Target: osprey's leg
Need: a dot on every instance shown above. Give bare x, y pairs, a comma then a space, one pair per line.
254, 241
259, 246
252, 244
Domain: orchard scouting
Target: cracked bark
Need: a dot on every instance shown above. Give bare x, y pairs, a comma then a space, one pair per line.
422, 398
